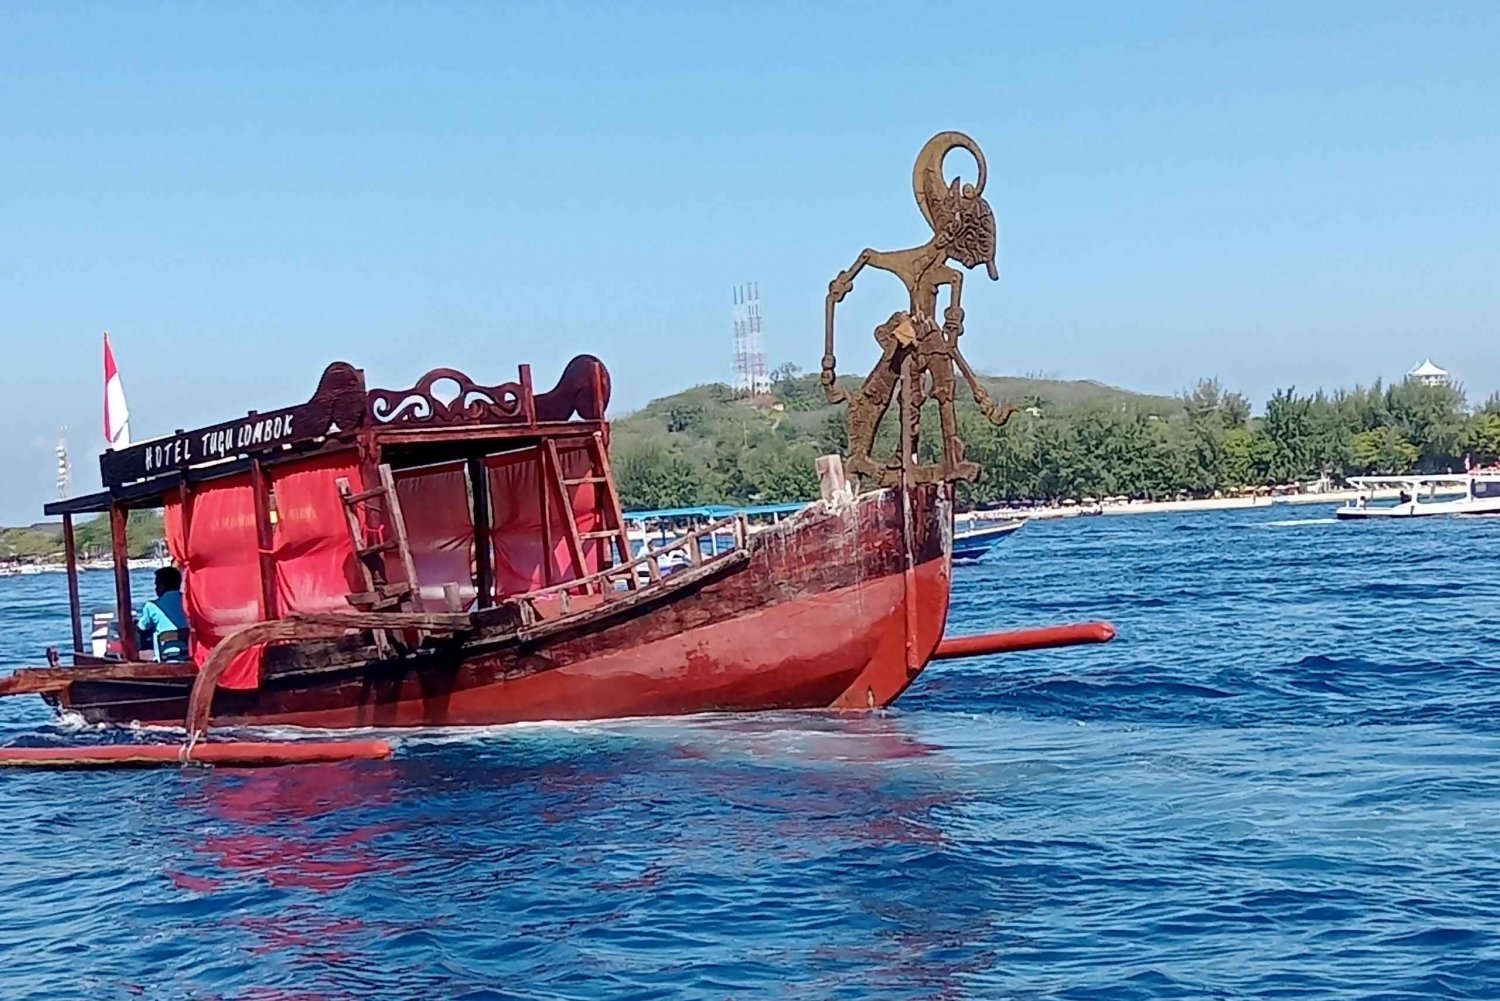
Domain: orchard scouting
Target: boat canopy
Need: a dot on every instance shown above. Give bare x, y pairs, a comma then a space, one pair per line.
487, 491
1411, 479
712, 512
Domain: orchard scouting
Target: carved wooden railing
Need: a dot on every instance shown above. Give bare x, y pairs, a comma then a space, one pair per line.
700, 546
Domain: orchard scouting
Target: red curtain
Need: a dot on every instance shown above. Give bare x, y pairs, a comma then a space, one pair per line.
216, 544
439, 531
219, 556
516, 520
314, 556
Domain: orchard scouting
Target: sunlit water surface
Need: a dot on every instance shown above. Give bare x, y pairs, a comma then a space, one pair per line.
1281, 781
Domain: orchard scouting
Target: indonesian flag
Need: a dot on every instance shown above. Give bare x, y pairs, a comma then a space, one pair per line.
116, 413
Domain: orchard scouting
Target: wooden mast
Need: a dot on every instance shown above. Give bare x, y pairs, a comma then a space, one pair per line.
484, 573
70, 554
119, 520
265, 540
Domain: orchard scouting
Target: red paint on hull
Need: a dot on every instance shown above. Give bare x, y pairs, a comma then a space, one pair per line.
842, 650
816, 618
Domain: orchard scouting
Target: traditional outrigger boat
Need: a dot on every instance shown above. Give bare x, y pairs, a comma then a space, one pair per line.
455, 554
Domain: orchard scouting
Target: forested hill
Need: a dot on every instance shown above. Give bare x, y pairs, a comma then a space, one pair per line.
706, 445
1071, 439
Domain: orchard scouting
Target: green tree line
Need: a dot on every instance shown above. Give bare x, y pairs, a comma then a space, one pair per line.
1069, 440
91, 537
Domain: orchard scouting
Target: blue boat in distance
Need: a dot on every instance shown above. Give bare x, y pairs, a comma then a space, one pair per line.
973, 543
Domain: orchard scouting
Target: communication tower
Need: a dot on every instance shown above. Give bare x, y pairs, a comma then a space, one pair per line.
751, 377
64, 468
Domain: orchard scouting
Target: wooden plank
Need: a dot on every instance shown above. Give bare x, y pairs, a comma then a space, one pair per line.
594, 613
575, 545
357, 538
600, 455
548, 577
70, 555
479, 486
397, 524
40, 680
119, 520
356, 532
528, 395
297, 628
265, 539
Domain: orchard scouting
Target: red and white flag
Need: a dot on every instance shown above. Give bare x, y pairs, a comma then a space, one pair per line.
116, 413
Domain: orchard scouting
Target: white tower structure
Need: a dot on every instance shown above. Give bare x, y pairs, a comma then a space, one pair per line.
751, 377
64, 468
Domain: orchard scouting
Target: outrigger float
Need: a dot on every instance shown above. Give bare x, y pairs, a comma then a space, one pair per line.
454, 554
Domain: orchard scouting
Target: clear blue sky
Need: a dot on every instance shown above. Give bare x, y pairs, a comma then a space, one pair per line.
1273, 193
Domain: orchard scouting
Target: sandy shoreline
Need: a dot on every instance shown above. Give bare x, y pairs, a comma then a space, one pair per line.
1166, 507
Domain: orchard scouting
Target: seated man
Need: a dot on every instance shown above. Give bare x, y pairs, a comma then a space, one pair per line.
164, 618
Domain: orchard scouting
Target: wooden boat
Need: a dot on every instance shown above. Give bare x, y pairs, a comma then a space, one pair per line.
455, 554
810, 613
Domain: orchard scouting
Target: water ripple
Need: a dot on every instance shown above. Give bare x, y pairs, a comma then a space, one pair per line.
1278, 783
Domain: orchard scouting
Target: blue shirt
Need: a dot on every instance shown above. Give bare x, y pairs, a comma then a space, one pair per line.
165, 614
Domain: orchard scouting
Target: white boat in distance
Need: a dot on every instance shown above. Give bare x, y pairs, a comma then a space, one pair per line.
1451, 493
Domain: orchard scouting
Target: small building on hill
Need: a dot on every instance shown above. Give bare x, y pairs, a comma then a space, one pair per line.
1429, 374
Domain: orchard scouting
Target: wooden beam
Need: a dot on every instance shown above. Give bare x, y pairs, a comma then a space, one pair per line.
565, 504
479, 487
70, 554
543, 480
119, 520
265, 539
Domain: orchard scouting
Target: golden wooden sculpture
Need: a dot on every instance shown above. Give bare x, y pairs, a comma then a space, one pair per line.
919, 355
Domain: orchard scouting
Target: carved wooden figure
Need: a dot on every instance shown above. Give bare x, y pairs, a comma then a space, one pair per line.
919, 354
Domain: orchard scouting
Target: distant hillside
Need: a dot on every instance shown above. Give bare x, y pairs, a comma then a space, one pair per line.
43, 541
705, 445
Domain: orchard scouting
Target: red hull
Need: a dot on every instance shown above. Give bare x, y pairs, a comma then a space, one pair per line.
817, 617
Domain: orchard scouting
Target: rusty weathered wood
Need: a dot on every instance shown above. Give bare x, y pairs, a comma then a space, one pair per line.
40, 680
349, 687
915, 346
301, 627
630, 600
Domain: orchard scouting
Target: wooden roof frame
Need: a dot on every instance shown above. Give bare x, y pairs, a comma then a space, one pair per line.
445, 412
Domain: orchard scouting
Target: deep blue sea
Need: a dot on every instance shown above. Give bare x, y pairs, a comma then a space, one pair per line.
1281, 781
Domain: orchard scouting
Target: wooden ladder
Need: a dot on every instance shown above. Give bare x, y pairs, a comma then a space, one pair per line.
379, 509
612, 517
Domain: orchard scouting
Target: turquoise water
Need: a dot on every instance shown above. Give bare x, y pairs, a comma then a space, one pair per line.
1280, 782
